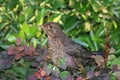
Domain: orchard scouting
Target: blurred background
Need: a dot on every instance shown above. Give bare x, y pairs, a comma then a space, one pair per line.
86, 21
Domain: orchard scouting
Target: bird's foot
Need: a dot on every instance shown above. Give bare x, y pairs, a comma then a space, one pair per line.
82, 70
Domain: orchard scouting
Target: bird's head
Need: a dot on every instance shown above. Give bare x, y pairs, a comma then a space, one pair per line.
52, 29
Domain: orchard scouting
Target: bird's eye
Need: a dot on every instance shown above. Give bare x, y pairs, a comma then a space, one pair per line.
50, 27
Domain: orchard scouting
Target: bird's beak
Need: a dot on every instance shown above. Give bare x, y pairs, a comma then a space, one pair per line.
41, 26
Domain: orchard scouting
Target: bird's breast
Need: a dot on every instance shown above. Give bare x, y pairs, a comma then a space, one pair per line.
55, 46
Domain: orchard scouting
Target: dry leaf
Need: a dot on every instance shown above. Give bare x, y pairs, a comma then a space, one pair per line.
99, 60
112, 50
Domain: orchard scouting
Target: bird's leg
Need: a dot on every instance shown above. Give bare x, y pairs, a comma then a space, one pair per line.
82, 70
47, 58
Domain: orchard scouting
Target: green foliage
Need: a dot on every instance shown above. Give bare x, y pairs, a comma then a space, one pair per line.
85, 21
64, 74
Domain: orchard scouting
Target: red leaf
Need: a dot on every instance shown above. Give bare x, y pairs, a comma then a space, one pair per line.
10, 50
22, 54
38, 75
18, 41
31, 49
80, 78
21, 48
42, 73
25, 48
15, 52
48, 78
40, 70
118, 77
28, 53
18, 56
97, 73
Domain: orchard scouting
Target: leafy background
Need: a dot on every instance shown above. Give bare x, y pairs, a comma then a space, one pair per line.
85, 21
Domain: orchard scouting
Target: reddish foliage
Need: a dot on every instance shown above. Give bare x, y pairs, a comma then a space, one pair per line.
97, 73
18, 41
31, 49
47, 74
40, 73
22, 50
10, 50
115, 68
18, 56
80, 78
48, 78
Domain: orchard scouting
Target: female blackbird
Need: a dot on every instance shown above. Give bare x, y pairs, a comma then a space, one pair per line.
61, 47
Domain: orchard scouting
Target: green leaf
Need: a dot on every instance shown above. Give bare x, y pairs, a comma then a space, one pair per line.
70, 24
94, 42
56, 19
19, 70
22, 2
117, 52
11, 74
34, 41
64, 74
29, 12
24, 32
11, 38
33, 31
25, 28
87, 40
21, 67
80, 42
117, 73
115, 24
62, 61
50, 67
113, 77
22, 35
90, 43
100, 31
116, 61
21, 18
95, 5
45, 42
40, 17
3, 25
97, 39
4, 46
56, 69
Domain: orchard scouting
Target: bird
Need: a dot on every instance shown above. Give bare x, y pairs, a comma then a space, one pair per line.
62, 48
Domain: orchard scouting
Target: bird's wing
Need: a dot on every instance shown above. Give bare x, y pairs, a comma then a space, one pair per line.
78, 51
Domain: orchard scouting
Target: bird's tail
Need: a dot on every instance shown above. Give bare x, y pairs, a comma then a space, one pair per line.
102, 53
